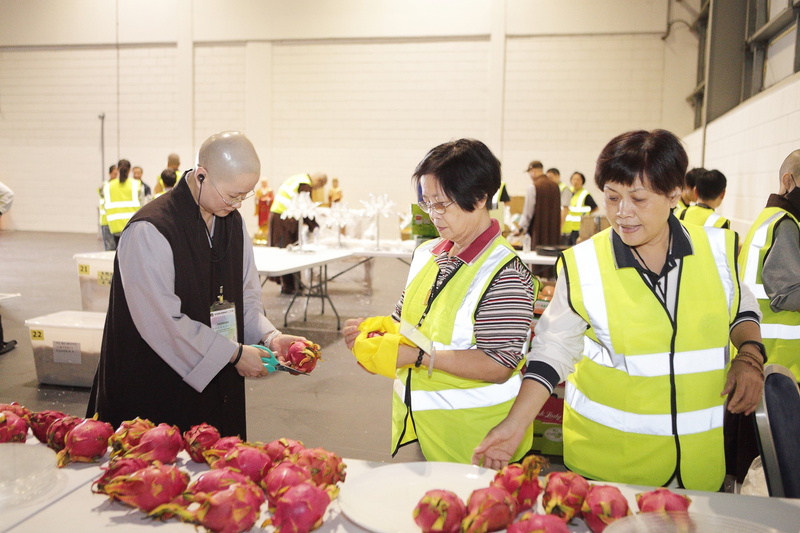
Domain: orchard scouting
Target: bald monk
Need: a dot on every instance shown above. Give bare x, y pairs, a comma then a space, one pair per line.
173, 164
164, 357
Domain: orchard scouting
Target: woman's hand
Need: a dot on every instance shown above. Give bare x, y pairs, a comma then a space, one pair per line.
351, 331
250, 364
743, 387
280, 345
499, 445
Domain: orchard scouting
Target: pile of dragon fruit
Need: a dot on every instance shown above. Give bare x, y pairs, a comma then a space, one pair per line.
296, 483
508, 502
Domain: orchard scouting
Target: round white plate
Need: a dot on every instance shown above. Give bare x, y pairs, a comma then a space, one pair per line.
383, 500
674, 522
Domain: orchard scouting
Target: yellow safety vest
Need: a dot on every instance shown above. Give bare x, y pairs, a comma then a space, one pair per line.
703, 216
643, 403
577, 208
101, 208
121, 202
287, 191
678, 209
780, 330
450, 415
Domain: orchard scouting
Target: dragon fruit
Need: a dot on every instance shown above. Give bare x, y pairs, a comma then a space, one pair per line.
231, 510
251, 461
303, 356
117, 467
128, 435
148, 487
198, 439
281, 478
564, 493
326, 467
220, 448
161, 443
58, 431
300, 509
662, 500
282, 448
521, 482
85, 443
40, 421
603, 505
489, 509
215, 480
13, 428
538, 523
19, 410
440, 511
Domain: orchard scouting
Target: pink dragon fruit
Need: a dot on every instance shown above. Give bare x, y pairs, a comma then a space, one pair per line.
326, 467
149, 487
85, 443
58, 431
128, 435
489, 509
303, 356
117, 467
282, 448
251, 461
19, 410
300, 509
220, 448
662, 500
231, 510
281, 478
40, 422
12, 427
564, 493
215, 480
161, 443
521, 483
198, 439
603, 505
538, 523
440, 511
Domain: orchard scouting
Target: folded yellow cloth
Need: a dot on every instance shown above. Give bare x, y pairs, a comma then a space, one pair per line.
377, 343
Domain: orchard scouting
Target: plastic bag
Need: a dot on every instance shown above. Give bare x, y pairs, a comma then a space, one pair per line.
755, 483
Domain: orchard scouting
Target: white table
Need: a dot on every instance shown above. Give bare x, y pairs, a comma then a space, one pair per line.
75, 508
271, 262
532, 258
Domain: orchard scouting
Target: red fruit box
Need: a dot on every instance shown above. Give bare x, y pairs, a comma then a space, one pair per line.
547, 437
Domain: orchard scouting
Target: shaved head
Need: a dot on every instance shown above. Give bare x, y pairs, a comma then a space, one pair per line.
173, 161
227, 155
791, 165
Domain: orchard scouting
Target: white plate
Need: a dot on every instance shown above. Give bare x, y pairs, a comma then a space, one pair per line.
383, 500
674, 522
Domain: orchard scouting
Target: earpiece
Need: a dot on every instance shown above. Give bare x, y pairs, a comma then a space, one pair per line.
201, 177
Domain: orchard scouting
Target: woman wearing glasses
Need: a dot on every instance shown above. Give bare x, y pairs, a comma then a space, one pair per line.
185, 302
455, 341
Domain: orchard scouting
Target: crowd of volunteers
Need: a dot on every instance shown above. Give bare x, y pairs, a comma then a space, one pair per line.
660, 325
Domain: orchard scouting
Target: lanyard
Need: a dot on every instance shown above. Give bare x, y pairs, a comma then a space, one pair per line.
436, 289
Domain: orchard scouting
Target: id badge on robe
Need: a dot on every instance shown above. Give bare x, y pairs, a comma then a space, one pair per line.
223, 318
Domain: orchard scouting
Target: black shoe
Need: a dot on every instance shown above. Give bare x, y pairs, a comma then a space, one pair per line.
7, 347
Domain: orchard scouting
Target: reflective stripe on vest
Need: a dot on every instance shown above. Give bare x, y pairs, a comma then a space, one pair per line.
577, 208
287, 191
451, 399
751, 269
121, 202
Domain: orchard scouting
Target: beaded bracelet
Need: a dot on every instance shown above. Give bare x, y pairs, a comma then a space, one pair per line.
760, 346
238, 355
752, 357
419, 358
750, 362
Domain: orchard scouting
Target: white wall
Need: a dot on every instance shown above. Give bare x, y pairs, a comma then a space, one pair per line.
357, 88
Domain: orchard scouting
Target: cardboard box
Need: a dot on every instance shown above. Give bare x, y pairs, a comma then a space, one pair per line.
66, 346
95, 271
547, 426
591, 225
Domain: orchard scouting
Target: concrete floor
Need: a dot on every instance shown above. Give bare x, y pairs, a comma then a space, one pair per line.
340, 407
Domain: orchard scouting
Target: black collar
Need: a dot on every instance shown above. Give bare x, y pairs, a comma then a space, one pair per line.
681, 246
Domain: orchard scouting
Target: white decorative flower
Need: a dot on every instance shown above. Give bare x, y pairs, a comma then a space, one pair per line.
301, 207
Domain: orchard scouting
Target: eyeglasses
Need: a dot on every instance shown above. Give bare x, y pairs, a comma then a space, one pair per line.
236, 200
438, 207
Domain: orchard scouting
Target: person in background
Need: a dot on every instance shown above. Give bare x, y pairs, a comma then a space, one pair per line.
580, 204
285, 232
6, 199
122, 197
565, 190
176, 349
109, 244
468, 300
335, 192
173, 164
641, 324
710, 191
535, 170
688, 194
137, 174
168, 179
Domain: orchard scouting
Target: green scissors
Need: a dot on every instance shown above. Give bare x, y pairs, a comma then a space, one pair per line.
272, 364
